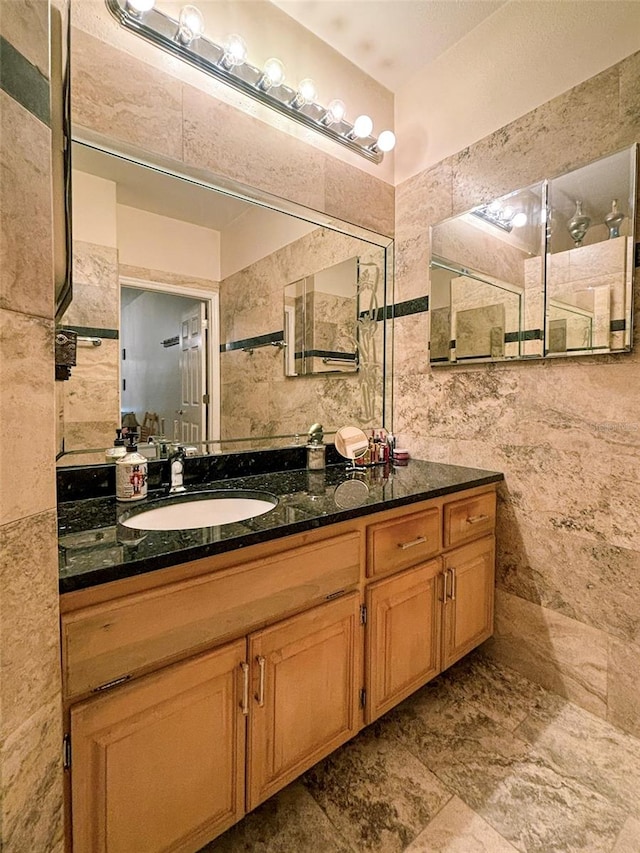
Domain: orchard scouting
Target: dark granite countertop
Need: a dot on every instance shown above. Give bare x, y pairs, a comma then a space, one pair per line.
94, 548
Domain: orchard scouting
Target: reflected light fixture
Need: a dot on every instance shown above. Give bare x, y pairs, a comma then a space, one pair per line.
228, 62
504, 218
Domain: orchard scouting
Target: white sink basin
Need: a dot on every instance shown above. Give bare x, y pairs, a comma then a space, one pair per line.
223, 507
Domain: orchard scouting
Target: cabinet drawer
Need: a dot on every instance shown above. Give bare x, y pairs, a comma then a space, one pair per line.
469, 518
129, 635
403, 542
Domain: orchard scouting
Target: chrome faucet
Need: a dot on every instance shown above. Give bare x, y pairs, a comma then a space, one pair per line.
176, 470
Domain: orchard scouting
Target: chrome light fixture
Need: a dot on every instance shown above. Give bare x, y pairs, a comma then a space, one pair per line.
504, 218
228, 62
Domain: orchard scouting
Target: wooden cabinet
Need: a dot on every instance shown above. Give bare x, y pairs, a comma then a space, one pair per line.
307, 678
469, 594
195, 693
158, 764
403, 636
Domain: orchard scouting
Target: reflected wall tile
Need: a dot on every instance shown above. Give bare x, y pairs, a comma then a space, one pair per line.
27, 401
559, 653
25, 210
115, 94
81, 435
562, 134
423, 200
29, 618
25, 25
356, 196
243, 148
623, 692
593, 582
91, 400
31, 759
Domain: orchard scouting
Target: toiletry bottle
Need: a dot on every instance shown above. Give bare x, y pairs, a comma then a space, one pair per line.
315, 448
118, 450
131, 473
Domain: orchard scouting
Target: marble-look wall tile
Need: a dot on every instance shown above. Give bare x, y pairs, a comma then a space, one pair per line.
230, 143
31, 761
27, 438
594, 582
623, 692
117, 95
562, 654
566, 132
411, 337
424, 199
355, 196
28, 618
411, 265
627, 129
25, 25
25, 209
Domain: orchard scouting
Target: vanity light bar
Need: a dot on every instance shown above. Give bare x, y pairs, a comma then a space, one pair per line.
165, 32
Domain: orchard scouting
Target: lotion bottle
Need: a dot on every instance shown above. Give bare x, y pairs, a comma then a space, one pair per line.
131, 473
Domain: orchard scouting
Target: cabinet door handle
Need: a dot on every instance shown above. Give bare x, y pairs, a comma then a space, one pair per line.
245, 688
476, 519
445, 575
454, 584
413, 543
260, 694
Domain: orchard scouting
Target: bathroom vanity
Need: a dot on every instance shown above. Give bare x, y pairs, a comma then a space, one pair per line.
195, 691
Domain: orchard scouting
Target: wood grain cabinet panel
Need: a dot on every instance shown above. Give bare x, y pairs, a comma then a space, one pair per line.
158, 765
122, 637
402, 542
469, 518
403, 635
307, 675
469, 575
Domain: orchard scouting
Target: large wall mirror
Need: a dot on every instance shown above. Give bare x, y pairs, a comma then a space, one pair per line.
544, 271
214, 318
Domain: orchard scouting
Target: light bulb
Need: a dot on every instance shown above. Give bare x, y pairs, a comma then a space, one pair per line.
137, 8
306, 94
519, 220
307, 90
235, 51
273, 74
507, 213
386, 141
335, 112
190, 25
362, 127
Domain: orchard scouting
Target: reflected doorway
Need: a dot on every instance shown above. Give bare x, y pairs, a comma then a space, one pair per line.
169, 363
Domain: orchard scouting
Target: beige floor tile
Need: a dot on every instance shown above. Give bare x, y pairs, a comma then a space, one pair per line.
458, 829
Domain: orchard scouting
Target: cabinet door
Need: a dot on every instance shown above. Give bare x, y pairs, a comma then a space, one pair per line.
306, 680
158, 765
469, 592
403, 636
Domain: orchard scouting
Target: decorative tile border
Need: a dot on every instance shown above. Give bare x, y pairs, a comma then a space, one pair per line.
23, 82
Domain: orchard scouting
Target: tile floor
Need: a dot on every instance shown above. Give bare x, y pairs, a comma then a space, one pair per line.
480, 760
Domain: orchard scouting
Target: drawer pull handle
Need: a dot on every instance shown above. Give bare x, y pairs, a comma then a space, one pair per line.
260, 694
413, 543
476, 519
245, 688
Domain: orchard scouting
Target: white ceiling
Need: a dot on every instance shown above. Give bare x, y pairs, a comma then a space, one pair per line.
390, 40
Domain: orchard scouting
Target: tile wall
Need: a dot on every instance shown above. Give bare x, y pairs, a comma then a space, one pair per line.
30, 712
566, 434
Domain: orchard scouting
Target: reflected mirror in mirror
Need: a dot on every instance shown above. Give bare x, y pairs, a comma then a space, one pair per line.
486, 271
590, 257
324, 317
178, 305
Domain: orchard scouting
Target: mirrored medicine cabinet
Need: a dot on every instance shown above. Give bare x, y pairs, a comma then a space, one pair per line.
545, 271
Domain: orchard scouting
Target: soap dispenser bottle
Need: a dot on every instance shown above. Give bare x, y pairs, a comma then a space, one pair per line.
131, 473
315, 448
118, 450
